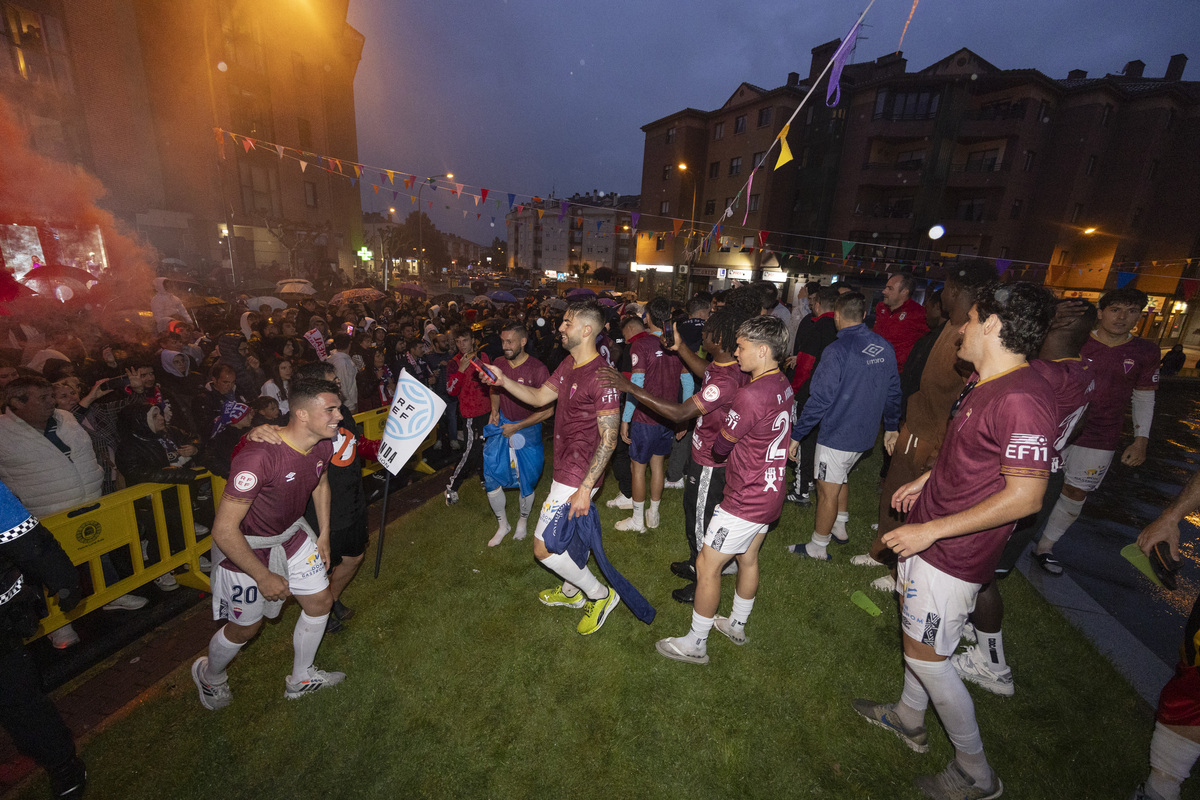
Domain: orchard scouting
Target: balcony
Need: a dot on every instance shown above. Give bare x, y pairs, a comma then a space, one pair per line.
978, 175
994, 122
892, 173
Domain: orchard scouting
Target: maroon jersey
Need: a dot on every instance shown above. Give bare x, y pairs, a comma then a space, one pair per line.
662, 369
1072, 383
1006, 425
1118, 371
581, 400
532, 373
758, 422
276, 480
721, 383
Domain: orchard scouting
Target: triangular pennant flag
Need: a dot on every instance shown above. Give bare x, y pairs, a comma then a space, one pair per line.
382, 177
598, 224
395, 194
477, 216
634, 217
785, 153
413, 198
520, 208
279, 149
430, 204
493, 222
353, 182
303, 165
408, 182
834, 93
1002, 265
432, 185
464, 213
357, 171
1124, 279
540, 212
762, 238
375, 186
678, 224
562, 211
457, 189
248, 143
338, 164
511, 197
483, 195
846, 248
476, 199
749, 186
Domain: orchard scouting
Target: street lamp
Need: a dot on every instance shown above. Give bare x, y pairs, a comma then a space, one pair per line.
420, 231
682, 167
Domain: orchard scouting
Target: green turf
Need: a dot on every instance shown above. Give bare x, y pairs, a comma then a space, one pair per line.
462, 685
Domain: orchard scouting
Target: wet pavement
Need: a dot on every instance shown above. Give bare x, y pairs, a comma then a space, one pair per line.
1145, 641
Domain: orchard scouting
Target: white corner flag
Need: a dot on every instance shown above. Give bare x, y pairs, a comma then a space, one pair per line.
414, 413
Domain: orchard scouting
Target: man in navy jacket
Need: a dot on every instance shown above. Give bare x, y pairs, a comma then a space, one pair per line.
854, 386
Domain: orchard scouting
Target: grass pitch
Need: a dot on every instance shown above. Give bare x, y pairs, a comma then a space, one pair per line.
461, 684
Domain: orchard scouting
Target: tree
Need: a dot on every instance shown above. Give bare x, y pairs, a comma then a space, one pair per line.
604, 275
421, 232
584, 269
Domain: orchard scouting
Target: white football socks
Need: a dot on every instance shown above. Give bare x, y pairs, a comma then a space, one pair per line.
523, 521
698, 636
564, 566
306, 638
991, 647
497, 502
839, 526
816, 548
953, 704
1065, 512
741, 611
220, 652
639, 513
1171, 759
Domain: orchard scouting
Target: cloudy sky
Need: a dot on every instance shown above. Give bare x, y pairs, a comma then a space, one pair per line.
532, 96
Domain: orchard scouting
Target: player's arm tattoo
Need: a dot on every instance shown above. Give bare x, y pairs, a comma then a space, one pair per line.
609, 426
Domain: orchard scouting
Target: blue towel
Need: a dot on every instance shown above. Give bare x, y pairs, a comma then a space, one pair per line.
497, 468
580, 537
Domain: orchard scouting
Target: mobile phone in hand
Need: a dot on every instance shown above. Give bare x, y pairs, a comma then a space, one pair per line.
479, 365
668, 335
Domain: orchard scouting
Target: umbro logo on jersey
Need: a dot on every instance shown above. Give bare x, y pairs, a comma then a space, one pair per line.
872, 350
291, 476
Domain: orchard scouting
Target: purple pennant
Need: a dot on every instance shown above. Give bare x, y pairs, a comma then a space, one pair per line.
1002, 265
635, 217
563, 211
834, 93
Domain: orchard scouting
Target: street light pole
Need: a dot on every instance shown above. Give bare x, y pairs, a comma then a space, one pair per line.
420, 227
692, 219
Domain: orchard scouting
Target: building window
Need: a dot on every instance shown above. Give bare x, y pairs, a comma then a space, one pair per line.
881, 96
739, 124
666, 171
251, 115
983, 161
758, 158
1044, 111
912, 105
910, 159
1091, 165
718, 131
660, 243
1063, 255
710, 207
260, 189
38, 48
970, 210
1076, 212
1106, 114
753, 202
1015, 211
714, 170
1003, 252
735, 166
310, 194
664, 207
764, 117
670, 136
1030, 158
304, 133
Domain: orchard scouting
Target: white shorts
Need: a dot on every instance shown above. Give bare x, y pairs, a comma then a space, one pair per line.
833, 466
729, 534
235, 595
935, 605
1085, 467
559, 493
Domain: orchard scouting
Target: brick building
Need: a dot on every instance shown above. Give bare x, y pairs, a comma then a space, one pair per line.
132, 90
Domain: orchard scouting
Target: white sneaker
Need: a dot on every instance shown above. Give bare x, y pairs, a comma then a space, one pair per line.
127, 602
886, 584
969, 635
63, 637
629, 525
317, 679
673, 484
652, 518
865, 560
622, 502
201, 530
971, 667
205, 564
166, 582
213, 696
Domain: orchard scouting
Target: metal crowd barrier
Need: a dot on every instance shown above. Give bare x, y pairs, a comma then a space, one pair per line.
92, 530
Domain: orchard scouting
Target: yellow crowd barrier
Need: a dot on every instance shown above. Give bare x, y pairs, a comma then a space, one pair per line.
92, 530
